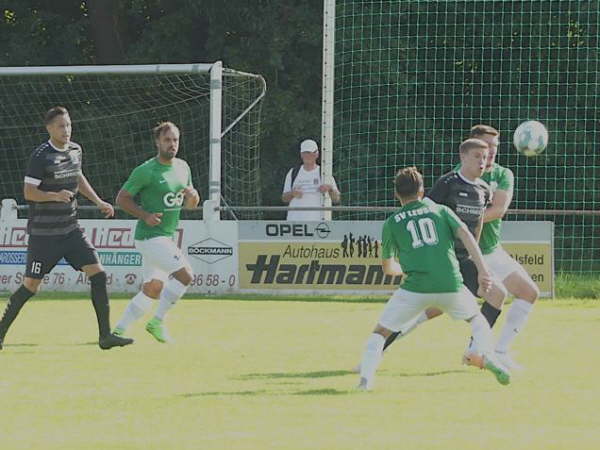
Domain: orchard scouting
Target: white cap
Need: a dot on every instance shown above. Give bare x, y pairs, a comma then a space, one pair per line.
308, 145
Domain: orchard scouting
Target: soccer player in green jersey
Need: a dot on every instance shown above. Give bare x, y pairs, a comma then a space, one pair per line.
164, 186
418, 240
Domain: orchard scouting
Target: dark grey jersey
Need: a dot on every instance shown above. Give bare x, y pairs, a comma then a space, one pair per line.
53, 170
467, 199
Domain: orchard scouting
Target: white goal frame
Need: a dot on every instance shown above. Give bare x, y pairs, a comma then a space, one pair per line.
215, 70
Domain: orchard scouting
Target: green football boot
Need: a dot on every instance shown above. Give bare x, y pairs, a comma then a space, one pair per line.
501, 374
157, 329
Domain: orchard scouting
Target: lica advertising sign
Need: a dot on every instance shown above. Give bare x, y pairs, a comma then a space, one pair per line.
330, 256
212, 258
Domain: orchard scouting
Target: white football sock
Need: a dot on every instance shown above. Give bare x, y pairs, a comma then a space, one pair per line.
171, 292
482, 335
136, 308
371, 358
515, 321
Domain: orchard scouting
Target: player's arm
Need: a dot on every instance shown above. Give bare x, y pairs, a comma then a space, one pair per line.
478, 228
389, 263
33, 178
500, 203
191, 197
32, 193
472, 247
88, 192
127, 203
391, 267
502, 197
139, 179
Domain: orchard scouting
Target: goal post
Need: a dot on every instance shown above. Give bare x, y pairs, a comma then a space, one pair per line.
114, 108
411, 77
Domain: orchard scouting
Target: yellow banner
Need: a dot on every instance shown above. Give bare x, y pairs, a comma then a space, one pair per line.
536, 259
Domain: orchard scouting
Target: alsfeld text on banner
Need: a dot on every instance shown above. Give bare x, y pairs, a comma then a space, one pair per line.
531, 244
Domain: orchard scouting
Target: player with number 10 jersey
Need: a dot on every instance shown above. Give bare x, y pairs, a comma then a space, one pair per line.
421, 237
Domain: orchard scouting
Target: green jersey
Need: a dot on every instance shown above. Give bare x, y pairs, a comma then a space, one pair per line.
500, 179
160, 187
421, 236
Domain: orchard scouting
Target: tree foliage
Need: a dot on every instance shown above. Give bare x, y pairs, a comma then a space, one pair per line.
280, 39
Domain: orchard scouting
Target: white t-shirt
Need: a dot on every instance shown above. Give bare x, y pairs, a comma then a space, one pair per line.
308, 182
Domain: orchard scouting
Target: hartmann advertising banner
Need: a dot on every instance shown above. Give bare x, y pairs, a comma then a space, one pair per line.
345, 256
342, 256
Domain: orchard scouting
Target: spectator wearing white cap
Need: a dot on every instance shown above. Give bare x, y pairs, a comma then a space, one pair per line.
303, 185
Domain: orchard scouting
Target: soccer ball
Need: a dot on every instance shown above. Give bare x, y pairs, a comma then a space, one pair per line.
530, 138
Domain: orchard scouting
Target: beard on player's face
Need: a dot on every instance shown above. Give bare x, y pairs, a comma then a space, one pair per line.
168, 152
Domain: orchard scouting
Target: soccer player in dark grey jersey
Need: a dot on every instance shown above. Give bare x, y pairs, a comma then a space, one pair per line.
52, 181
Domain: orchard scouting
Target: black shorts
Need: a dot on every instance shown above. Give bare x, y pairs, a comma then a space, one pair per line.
44, 252
468, 270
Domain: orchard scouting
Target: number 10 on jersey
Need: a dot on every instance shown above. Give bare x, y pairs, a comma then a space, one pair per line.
422, 232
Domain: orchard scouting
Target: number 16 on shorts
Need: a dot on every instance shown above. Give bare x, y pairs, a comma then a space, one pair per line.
36, 267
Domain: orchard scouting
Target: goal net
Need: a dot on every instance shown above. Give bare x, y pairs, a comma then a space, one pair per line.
113, 110
413, 76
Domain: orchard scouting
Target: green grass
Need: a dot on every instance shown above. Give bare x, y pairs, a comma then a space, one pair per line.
276, 375
577, 286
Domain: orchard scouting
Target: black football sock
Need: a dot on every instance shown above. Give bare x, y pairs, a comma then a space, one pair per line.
490, 313
14, 305
391, 338
100, 302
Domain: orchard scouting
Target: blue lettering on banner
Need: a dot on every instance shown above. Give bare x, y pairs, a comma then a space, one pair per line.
107, 258
13, 258
120, 258
20, 259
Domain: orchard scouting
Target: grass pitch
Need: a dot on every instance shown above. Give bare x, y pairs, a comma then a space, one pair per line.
276, 375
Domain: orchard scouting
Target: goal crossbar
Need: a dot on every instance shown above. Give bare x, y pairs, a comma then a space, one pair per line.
108, 69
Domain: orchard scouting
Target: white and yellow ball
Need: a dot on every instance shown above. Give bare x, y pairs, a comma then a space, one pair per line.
531, 138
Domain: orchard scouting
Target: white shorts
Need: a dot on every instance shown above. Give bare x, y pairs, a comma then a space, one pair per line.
160, 258
501, 264
405, 305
